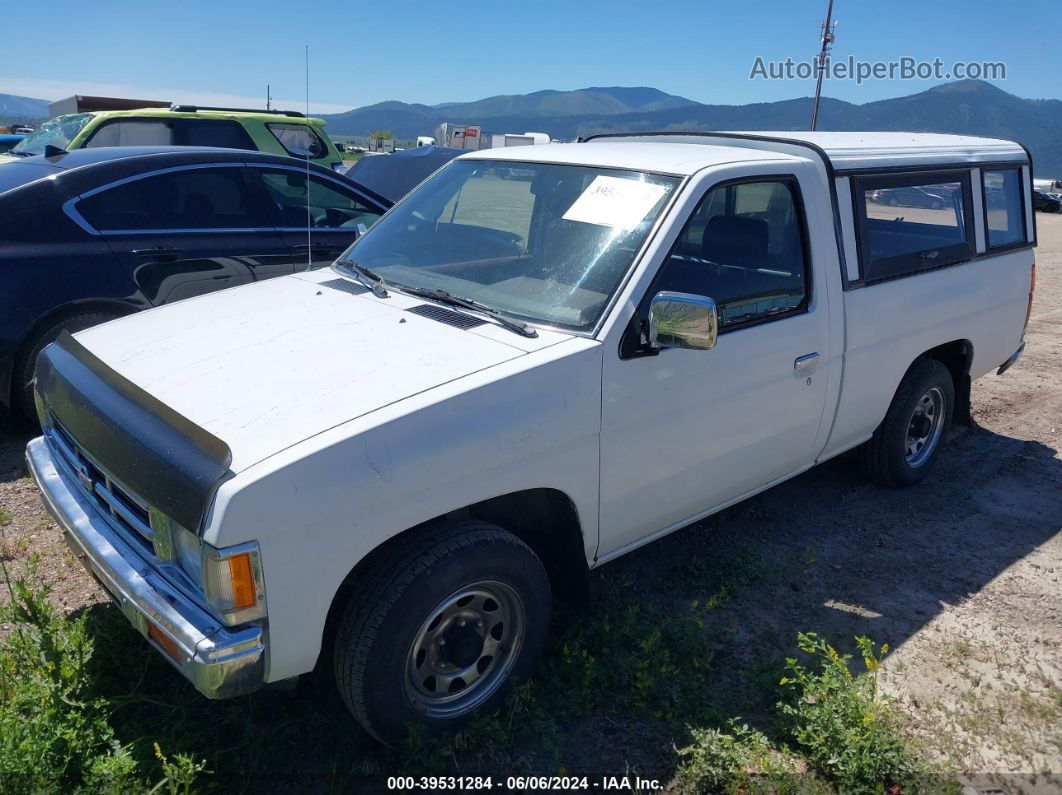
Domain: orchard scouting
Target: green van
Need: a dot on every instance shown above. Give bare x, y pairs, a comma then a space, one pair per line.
282, 132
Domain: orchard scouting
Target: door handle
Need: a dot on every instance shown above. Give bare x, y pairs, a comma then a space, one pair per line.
314, 246
159, 252
806, 360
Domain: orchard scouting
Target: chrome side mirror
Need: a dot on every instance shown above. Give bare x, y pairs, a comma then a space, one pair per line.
682, 320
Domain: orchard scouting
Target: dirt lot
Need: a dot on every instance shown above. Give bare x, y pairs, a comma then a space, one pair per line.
960, 576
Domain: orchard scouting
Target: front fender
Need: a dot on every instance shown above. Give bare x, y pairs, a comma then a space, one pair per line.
320, 507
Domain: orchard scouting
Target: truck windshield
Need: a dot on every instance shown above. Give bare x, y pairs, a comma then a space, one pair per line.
546, 243
59, 132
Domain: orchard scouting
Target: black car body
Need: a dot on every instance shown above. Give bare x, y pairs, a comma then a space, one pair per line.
1046, 202
94, 234
394, 175
912, 197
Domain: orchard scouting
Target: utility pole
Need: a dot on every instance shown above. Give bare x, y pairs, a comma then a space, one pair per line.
822, 60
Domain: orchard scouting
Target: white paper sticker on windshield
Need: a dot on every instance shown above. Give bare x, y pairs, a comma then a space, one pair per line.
612, 201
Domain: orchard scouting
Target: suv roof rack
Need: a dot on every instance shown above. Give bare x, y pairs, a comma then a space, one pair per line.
195, 108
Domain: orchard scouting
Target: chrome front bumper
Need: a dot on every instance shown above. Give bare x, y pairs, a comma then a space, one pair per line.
220, 662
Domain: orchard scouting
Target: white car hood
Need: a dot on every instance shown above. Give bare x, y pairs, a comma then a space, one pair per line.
268, 365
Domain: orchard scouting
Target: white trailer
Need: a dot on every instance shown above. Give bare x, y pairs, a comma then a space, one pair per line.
459, 136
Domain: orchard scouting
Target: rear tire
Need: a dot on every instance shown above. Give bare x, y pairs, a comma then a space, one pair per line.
438, 630
907, 444
24, 369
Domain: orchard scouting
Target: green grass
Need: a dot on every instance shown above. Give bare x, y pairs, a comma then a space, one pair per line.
837, 734
55, 729
624, 682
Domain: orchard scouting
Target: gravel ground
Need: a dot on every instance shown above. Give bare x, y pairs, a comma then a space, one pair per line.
960, 575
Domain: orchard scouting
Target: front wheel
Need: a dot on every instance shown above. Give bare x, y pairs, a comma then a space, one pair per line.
906, 445
440, 629
27, 362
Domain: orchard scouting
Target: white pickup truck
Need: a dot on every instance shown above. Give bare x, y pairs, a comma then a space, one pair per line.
539, 360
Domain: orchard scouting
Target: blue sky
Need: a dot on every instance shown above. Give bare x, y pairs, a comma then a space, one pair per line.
411, 51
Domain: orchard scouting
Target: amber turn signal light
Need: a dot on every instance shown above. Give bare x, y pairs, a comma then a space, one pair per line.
242, 578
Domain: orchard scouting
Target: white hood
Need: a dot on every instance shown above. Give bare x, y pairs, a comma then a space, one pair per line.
268, 365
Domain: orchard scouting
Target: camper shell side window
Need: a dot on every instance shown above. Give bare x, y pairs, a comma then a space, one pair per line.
911, 222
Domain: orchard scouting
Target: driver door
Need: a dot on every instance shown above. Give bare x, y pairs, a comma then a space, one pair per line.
685, 432
335, 211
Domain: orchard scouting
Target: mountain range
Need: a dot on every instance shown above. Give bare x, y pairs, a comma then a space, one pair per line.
22, 108
973, 107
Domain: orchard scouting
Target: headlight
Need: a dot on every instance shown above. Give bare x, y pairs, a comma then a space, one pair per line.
231, 577
189, 552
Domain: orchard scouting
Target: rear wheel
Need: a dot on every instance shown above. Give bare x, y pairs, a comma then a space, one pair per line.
906, 445
439, 630
24, 369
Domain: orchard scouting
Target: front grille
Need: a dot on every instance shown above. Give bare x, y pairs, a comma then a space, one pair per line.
127, 511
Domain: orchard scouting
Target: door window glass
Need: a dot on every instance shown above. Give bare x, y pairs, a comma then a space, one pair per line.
228, 134
299, 140
133, 133
202, 198
331, 206
744, 248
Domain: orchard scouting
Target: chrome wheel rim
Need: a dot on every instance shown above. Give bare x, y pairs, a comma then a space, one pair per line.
925, 427
465, 648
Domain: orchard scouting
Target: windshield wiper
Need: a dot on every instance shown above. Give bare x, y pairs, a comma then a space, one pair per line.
446, 297
367, 277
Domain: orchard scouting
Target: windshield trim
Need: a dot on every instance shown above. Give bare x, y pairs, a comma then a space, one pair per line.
532, 161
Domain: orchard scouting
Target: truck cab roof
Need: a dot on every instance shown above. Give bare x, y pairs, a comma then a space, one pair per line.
684, 153
659, 156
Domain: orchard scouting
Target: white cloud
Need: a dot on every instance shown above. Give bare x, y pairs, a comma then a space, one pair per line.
57, 89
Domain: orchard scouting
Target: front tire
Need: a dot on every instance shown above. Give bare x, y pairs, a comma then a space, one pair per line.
24, 370
439, 629
907, 444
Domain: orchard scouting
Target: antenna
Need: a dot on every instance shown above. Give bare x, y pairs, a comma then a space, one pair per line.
821, 60
269, 99
309, 224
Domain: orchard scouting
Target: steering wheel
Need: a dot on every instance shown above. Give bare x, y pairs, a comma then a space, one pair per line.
334, 217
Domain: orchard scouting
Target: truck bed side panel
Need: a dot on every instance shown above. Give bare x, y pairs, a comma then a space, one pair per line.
891, 323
